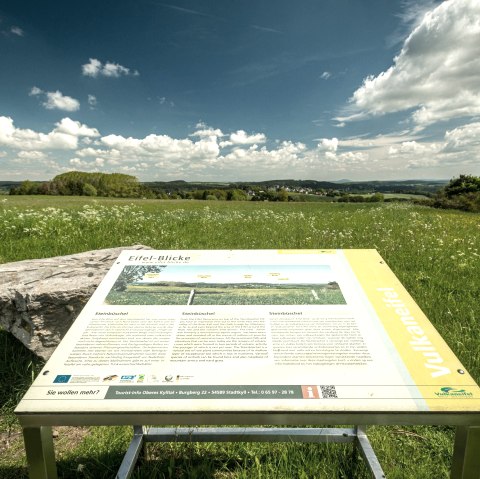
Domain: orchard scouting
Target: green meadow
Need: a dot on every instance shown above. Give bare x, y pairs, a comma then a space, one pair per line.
434, 253
225, 295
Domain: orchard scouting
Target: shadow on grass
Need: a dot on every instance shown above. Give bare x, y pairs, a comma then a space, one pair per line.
193, 461
18, 368
249, 460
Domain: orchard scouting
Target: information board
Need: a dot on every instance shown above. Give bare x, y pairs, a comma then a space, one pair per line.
251, 330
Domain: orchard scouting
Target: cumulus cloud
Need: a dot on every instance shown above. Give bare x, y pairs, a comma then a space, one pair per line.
155, 146
328, 144
64, 136
56, 100
87, 165
75, 128
437, 72
415, 148
203, 154
32, 155
204, 131
466, 136
240, 137
95, 68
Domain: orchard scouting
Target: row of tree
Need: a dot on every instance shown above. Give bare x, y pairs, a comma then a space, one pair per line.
78, 183
375, 198
460, 193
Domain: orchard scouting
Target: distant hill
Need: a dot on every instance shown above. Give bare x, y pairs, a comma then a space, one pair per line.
401, 186
6, 185
422, 187
186, 185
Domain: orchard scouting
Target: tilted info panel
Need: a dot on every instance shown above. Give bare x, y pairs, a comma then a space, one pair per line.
251, 330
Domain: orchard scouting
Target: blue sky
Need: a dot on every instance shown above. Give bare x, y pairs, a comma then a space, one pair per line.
285, 274
240, 90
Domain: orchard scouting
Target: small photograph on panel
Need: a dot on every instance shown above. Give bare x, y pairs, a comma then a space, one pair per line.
226, 285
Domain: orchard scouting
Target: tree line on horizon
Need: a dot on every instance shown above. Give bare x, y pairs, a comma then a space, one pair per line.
78, 183
460, 193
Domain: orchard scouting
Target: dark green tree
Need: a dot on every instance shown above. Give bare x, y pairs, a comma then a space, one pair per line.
462, 185
134, 273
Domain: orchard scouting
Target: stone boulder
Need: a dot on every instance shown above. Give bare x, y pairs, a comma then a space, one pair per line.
41, 298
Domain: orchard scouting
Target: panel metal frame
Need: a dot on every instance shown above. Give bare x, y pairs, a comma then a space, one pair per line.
143, 435
41, 456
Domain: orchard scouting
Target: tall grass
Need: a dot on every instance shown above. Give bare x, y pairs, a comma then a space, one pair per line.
434, 253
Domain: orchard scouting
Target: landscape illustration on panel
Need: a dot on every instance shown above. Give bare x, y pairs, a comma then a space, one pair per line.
226, 285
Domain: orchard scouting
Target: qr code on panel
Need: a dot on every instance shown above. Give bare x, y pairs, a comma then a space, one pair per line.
328, 392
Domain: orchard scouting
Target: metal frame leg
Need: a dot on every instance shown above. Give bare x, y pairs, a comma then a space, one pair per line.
131, 456
356, 435
466, 453
367, 452
40, 452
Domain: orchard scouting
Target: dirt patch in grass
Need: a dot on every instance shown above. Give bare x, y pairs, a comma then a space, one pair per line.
65, 439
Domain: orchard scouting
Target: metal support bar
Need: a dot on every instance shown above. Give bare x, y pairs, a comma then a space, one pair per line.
366, 449
40, 452
356, 435
466, 453
247, 434
131, 456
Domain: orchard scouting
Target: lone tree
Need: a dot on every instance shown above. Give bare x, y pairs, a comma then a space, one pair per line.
461, 193
462, 185
133, 273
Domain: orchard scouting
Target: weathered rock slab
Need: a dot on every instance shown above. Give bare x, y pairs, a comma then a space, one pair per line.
41, 298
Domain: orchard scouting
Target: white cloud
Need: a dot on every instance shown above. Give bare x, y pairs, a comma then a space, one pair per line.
64, 136
56, 100
35, 91
90, 152
410, 149
410, 17
75, 128
205, 131
262, 160
466, 136
92, 100
202, 156
377, 142
87, 165
95, 68
328, 144
328, 157
155, 146
17, 31
437, 72
32, 155
240, 137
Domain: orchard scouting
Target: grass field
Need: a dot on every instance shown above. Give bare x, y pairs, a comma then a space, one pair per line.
434, 253
142, 295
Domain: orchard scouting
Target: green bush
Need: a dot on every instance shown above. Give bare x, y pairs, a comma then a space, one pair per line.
89, 190
462, 193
